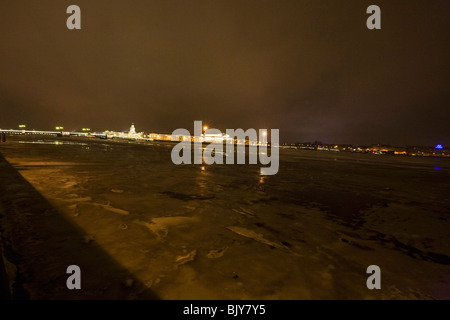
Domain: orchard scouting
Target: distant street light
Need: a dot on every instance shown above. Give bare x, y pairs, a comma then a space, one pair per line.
263, 139
59, 128
22, 126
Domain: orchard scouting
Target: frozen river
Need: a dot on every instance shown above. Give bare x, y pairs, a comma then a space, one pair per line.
223, 231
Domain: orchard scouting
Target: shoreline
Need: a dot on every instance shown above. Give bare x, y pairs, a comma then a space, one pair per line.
281, 147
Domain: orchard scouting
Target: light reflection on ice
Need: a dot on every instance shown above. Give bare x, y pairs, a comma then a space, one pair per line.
55, 142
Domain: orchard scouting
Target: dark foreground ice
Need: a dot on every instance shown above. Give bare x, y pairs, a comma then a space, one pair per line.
141, 227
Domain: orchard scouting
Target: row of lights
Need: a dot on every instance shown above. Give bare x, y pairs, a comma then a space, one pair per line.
205, 128
23, 126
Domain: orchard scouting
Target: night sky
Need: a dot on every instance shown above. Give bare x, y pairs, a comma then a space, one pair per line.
310, 68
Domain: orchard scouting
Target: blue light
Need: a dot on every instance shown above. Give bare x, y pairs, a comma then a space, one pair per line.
437, 168
439, 146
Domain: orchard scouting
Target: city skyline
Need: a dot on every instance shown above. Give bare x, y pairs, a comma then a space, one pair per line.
86, 130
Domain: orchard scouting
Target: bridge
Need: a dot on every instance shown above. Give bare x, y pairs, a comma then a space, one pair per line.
54, 133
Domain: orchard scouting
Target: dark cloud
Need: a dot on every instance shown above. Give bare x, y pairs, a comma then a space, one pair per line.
310, 68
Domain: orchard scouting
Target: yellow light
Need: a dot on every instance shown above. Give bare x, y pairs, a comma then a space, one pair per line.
205, 128
264, 133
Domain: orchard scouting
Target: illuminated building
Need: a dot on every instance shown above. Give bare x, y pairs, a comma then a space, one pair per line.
132, 130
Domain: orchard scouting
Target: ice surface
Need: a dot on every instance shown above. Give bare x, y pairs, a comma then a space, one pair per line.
226, 232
